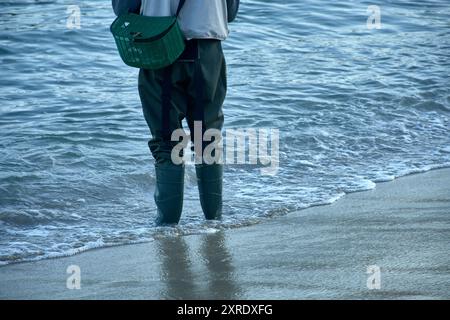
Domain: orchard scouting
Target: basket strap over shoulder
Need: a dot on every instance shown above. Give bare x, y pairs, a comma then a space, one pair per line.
180, 6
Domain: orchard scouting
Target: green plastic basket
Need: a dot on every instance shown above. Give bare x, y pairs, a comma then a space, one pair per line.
148, 42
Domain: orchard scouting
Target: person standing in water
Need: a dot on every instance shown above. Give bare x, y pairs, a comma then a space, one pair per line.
194, 87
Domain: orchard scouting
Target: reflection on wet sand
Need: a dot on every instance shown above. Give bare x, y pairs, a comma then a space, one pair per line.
205, 272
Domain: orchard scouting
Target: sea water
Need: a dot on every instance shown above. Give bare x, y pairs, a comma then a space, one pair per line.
356, 99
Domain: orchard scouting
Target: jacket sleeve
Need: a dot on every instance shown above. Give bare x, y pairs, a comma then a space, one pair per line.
124, 6
232, 8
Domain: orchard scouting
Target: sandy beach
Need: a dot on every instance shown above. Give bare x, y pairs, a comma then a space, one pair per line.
323, 252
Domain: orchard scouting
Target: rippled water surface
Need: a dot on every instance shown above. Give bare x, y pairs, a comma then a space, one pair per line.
354, 107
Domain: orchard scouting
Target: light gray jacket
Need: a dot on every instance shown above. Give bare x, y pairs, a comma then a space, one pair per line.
199, 19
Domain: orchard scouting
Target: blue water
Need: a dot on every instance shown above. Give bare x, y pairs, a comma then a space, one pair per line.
354, 107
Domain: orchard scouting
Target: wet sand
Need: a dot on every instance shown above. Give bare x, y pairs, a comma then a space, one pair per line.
403, 227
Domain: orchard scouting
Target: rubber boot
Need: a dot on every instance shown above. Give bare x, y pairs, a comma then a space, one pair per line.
209, 179
169, 192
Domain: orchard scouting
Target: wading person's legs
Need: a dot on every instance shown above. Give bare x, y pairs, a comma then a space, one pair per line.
197, 91
169, 177
207, 91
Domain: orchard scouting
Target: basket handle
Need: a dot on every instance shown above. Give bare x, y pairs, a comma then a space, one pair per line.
157, 37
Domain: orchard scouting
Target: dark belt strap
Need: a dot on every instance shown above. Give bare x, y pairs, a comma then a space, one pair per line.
199, 112
166, 101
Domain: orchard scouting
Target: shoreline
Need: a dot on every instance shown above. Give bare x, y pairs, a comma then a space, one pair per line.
305, 254
245, 224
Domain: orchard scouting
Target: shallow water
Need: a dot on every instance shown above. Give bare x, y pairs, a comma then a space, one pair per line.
354, 107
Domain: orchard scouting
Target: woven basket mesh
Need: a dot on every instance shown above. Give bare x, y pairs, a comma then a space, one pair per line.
148, 42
